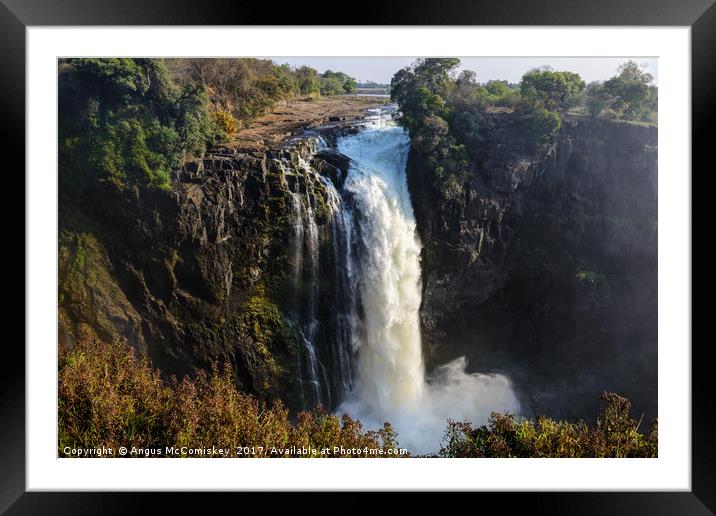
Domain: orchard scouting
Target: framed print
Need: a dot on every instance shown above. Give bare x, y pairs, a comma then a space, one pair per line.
457, 237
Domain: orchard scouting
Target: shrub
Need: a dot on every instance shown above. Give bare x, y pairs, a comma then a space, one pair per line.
450, 189
540, 124
595, 99
336, 83
631, 94
224, 124
614, 435
309, 83
108, 396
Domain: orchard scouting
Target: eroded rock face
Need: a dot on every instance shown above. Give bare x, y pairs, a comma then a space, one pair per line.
333, 165
201, 273
547, 268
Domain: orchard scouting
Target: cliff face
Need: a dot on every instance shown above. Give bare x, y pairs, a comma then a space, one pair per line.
547, 268
204, 272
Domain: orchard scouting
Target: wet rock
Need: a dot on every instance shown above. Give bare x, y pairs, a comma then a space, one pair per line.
332, 165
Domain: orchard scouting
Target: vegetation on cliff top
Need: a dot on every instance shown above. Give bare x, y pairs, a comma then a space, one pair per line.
448, 114
629, 95
110, 397
246, 88
125, 123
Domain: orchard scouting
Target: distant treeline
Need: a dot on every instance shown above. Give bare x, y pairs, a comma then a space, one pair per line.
447, 113
125, 123
372, 84
371, 87
246, 88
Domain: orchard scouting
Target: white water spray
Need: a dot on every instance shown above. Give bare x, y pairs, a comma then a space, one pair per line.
392, 385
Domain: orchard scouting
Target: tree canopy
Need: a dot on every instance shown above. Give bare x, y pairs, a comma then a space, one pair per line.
336, 83
125, 123
551, 90
631, 93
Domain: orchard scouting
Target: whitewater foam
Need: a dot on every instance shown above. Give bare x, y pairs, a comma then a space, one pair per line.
392, 384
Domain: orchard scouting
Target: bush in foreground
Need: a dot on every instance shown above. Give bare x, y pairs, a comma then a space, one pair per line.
108, 397
614, 435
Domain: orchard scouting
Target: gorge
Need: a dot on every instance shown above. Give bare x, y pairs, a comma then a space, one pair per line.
325, 270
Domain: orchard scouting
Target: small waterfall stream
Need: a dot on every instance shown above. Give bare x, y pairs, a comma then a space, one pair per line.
324, 360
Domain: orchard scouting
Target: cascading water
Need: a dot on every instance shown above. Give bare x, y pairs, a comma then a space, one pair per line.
362, 299
311, 281
304, 262
345, 316
323, 359
390, 367
383, 266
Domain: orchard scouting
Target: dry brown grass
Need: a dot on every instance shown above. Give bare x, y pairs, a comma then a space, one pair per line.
109, 397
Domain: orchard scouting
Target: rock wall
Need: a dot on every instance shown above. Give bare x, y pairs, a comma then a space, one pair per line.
546, 269
201, 274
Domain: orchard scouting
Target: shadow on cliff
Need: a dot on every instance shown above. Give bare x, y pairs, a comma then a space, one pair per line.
546, 270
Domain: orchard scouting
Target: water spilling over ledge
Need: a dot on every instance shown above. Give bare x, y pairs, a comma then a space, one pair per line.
376, 258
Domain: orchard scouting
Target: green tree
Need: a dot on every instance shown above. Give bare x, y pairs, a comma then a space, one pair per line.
126, 123
498, 88
349, 85
596, 99
435, 74
336, 83
631, 93
541, 124
288, 84
432, 75
422, 90
466, 90
554, 91
308, 81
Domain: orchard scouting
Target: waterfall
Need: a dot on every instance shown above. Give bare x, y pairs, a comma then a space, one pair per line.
385, 271
390, 367
356, 301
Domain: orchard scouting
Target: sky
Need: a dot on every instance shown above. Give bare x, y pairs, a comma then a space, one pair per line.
381, 69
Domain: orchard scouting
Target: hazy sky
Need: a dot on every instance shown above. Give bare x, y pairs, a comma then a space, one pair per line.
381, 69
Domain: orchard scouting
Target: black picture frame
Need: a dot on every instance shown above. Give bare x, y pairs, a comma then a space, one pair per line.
17, 15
